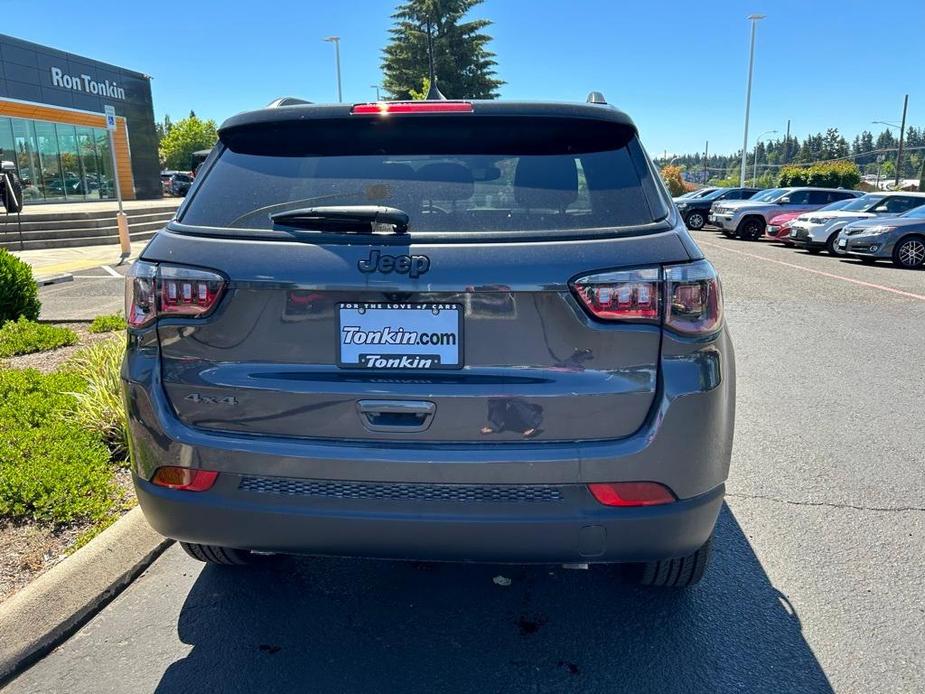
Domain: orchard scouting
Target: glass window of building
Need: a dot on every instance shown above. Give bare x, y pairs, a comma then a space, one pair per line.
89, 161
51, 181
26, 158
71, 170
107, 185
58, 162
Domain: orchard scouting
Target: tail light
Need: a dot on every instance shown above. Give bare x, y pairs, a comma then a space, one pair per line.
623, 295
694, 298
153, 291
184, 478
685, 298
631, 493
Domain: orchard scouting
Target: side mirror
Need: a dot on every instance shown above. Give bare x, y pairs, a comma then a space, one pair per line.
784, 201
881, 208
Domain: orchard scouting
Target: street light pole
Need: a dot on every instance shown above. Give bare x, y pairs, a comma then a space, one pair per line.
377, 88
757, 140
336, 41
754, 18
899, 152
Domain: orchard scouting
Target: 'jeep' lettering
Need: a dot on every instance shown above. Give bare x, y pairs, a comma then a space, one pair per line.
411, 265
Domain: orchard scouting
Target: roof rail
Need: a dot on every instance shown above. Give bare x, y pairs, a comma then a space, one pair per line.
595, 98
287, 101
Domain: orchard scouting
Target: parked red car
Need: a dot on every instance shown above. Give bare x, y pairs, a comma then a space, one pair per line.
778, 229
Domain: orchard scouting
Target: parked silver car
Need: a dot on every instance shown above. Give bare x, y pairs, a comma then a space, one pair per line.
821, 229
900, 239
747, 219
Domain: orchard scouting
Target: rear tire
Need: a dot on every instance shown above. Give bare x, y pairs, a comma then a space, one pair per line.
695, 221
830, 244
676, 573
751, 228
909, 253
222, 556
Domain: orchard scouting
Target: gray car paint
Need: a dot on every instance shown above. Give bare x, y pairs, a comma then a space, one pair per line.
617, 401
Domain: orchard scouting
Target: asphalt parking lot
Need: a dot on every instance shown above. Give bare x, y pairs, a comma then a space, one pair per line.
816, 581
90, 293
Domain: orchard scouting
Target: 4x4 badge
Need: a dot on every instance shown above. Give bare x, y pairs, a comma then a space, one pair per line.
411, 265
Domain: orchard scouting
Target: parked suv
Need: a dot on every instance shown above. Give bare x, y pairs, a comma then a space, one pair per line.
179, 184
821, 229
748, 219
405, 330
695, 211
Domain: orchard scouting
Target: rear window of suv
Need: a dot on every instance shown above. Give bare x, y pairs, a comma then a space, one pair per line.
493, 175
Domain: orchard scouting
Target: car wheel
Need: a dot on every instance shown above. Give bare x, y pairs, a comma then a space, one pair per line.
909, 253
695, 221
224, 556
751, 229
830, 244
676, 573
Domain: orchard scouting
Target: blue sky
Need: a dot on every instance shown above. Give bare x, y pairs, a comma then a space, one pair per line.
678, 68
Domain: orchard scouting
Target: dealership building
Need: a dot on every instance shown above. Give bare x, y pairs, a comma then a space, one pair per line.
53, 127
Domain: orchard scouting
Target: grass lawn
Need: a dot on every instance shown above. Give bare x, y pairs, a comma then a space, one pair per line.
63, 475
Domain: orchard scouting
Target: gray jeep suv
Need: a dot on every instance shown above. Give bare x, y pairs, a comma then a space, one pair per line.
439, 330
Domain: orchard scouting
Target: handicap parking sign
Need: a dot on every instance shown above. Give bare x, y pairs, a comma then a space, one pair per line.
110, 112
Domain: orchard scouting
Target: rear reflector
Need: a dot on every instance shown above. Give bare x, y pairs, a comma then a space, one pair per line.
631, 493
388, 107
187, 479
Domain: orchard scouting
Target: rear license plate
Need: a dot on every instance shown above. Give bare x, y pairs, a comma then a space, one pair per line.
399, 336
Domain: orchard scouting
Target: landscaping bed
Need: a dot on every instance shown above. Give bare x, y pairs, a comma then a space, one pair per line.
63, 455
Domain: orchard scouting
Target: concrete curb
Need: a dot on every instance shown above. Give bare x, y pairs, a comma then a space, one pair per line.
54, 279
57, 603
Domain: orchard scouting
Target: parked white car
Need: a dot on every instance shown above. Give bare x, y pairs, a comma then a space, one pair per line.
821, 229
747, 219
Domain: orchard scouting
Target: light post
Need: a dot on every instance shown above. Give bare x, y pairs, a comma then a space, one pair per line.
754, 19
336, 41
377, 88
902, 132
757, 140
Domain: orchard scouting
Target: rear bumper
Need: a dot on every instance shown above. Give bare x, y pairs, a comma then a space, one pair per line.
685, 443
573, 528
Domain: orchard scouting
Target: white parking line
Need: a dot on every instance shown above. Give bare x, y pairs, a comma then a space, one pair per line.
110, 271
870, 285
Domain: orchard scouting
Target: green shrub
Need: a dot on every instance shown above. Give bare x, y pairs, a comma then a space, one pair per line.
831, 174
25, 336
98, 405
52, 469
107, 323
19, 294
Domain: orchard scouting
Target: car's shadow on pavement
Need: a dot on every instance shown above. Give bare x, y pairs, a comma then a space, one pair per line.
349, 625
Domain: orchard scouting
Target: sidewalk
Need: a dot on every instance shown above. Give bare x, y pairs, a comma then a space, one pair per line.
51, 262
100, 206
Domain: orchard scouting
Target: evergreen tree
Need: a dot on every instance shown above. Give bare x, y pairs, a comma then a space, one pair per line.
462, 62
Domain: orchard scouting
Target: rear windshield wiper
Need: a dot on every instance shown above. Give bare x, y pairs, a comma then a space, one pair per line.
343, 218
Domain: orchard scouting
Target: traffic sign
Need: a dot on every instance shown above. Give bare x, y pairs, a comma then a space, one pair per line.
110, 112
